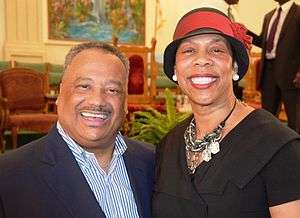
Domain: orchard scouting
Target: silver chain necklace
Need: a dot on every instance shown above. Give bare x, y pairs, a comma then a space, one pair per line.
204, 147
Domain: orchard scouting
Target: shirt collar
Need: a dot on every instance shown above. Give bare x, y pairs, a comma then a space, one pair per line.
286, 6
78, 151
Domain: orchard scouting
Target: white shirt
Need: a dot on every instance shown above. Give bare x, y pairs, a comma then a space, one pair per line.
112, 190
285, 10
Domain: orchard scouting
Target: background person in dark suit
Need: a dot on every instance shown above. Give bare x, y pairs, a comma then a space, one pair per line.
84, 167
280, 66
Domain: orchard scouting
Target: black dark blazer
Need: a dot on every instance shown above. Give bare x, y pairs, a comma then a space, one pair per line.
287, 61
42, 179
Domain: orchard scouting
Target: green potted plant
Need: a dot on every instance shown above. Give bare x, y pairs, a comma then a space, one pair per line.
152, 125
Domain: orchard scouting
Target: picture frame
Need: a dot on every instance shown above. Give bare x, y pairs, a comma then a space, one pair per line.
97, 20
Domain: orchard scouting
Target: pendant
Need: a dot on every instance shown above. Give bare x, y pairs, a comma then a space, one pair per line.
206, 155
214, 147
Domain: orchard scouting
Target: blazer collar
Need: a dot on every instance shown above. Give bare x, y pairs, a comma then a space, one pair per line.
135, 168
289, 17
63, 176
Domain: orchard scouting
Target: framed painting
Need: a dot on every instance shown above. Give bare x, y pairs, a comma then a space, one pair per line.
97, 20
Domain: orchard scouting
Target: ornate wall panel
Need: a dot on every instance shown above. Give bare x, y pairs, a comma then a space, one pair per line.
23, 38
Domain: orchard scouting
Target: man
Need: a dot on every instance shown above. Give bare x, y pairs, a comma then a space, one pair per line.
83, 167
280, 65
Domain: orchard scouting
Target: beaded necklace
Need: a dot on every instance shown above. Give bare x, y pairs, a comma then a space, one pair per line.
205, 147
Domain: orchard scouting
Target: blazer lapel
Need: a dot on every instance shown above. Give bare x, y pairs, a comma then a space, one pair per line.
288, 19
136, 176
266, 27
63, 176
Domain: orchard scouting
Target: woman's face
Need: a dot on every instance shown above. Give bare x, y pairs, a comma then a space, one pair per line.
204, 69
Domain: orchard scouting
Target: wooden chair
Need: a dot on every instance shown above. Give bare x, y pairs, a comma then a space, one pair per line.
142, 77
141, 56
3, 120
23, 95
251, 92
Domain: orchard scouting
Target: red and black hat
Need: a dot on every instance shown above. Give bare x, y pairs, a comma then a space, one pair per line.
209, 21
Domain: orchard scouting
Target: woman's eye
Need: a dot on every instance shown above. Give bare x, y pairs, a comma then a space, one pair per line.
188, 50
217, 50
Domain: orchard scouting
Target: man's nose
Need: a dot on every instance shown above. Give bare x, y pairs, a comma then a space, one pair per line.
97, 97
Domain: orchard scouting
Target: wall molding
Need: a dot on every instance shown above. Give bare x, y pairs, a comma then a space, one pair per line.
28, 52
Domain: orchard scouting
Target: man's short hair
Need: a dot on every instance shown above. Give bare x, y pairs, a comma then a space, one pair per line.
102, 47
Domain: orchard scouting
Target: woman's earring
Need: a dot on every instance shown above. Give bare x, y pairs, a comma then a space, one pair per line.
174, 77
235, 75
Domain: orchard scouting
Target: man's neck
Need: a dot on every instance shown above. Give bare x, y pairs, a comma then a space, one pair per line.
103, 155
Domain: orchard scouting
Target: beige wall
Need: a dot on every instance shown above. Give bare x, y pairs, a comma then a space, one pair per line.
24, 35
250, 13
2, 29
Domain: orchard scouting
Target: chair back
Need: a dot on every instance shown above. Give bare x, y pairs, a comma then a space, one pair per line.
136, 79
143, 72
24, 89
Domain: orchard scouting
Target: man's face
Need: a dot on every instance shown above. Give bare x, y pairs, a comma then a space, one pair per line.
281, 2
232, 2
92, 101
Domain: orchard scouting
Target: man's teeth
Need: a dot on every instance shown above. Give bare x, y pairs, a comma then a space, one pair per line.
94, 115
203, 80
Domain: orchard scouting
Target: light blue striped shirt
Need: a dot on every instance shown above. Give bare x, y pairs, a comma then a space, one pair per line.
112, 189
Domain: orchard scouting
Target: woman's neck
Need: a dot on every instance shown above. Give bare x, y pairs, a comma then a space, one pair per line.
208, 117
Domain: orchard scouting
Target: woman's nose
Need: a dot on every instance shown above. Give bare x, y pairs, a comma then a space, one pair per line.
202, 59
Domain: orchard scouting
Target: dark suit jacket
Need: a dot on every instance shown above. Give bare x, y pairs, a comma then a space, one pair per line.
42, 179
287, 61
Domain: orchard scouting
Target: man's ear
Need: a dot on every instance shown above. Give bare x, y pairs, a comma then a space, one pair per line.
126, 104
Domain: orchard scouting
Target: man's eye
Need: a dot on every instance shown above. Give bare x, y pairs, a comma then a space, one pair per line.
83, 86
113, 91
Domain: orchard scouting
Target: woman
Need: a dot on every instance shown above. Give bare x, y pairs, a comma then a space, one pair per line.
228, 160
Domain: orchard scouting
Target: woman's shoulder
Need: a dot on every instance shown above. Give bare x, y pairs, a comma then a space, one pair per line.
175, 136
253, 143
282, 174
264, 124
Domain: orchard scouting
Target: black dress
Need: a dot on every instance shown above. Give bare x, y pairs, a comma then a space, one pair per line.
257, 167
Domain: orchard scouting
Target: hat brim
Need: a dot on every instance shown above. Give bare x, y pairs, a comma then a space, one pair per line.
239, 52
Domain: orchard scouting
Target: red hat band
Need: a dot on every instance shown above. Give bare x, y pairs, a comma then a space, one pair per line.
203, 19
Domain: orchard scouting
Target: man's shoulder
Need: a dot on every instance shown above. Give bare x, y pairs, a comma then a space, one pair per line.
139, 146
139, 150
20, 158
297, 7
